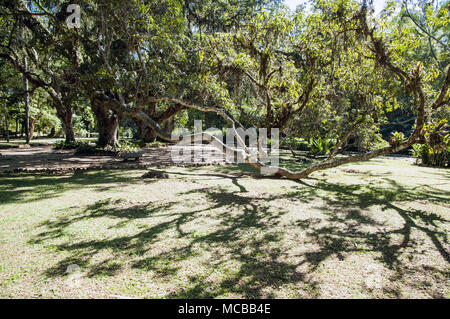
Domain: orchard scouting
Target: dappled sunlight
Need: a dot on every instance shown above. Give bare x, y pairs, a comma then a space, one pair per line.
224, 149
217, 234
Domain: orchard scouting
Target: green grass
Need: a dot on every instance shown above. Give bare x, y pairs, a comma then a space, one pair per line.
376, 229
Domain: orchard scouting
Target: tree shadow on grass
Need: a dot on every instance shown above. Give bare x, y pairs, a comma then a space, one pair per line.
361, 197
250, 233
252, 215
27, 188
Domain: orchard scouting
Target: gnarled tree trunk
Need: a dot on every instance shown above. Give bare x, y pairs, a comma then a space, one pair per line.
165, 120
145, 133
68, 127
107, 122
64, 113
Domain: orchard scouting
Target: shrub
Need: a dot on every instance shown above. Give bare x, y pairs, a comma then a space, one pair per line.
126, 147
61, 145
296, 143
321, 146
155, 144
432, 156
396, 139
436, 150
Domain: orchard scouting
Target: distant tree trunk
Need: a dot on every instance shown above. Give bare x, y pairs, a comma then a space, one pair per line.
52, 132
27, 106
32, 126
145, 133
166, 120
107, 128
64, 112
6, 123
107, 122
17, 126
148, 134
169, 125
68, 127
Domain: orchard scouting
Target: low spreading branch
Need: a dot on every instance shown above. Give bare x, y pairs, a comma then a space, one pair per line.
381, 55
344, 139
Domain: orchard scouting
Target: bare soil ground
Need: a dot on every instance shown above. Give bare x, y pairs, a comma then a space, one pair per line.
42, 158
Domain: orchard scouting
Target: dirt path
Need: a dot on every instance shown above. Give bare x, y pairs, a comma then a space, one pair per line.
46, 158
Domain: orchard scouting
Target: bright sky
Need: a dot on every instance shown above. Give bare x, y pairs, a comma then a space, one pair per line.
379, 4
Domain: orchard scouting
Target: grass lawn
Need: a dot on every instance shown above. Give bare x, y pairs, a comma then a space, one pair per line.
377, 229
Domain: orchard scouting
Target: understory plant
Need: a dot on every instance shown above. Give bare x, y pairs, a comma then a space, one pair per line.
436, 150
321, 146
61, 145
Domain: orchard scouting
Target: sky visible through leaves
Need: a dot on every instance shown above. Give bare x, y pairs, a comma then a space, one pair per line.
292, 4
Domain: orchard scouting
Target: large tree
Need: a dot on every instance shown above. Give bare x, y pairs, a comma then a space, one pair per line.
372, 63
248, 61
38, 43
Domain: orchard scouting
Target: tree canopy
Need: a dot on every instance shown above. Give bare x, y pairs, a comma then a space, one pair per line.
334, 71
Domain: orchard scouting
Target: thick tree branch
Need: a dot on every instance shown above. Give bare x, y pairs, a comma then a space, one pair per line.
344, 139
440, 99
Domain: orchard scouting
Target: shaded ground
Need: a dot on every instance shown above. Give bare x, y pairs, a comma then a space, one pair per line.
41, 158
45, 157
377, 229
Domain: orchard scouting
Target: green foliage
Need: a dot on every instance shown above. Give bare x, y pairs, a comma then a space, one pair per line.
319, 146
311, 73
439, 157
142, 144
296, 143
63, 145
397, 138
127, 147
88, 149
156, 144
436, 150
85, 148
